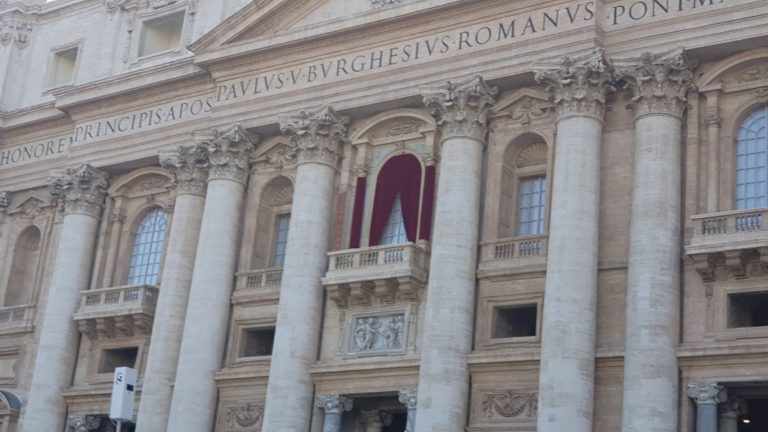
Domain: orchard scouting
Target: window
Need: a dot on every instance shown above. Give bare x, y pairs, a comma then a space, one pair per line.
531, 205
515, 321
751, 160
748, 310
161, 34
118, 357
63, 67
394, 231
148, 249
257, 342
281, 239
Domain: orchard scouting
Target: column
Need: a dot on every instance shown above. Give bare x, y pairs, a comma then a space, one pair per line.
659, 85
461, 111
730, 411
408, 398
81, 190
317, 137
207, 318
566, 380
707, 397
189, 170
333, 406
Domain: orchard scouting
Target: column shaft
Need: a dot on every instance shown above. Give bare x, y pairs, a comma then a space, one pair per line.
706, 417
82, 190
332, 422
653, 281
169, 318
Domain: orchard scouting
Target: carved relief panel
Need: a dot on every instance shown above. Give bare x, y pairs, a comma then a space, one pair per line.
376, 332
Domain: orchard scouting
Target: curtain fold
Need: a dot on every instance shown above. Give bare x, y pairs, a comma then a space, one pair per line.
401, 174
357, 213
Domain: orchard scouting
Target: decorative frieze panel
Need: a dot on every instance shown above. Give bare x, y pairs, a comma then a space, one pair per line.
243, 417
386, 331
509, 404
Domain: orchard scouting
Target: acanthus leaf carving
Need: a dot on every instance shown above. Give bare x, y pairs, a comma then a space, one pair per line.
335, 404
80, 189
228, 152
462, 109
579, 86
188, 165
713, 393
16, 30
317, 136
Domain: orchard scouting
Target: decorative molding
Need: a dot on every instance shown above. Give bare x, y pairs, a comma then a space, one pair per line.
430, 159
281, 156
188, 166
659, 82
80, 188
333, 404
532, 155
113, 6
362, 170
5, 200
409, 398
510, 404
528, 110
462, 109
378, 333
16, 30
708, 393
228, 152
405, 128
379, 4
244, 416
580, 86
158, 4
317, 136
752, 74
84, 423
736, 261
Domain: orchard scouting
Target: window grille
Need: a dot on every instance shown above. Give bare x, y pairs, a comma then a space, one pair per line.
281, 239
531, 205
394, 232
751, 161
148, 249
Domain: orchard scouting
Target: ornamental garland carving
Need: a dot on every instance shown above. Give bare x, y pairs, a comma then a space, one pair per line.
188, 165
80, 189
228, 152
244, 416
462, 109
15, 30
510, 405
579, 86
659, 83
317, 136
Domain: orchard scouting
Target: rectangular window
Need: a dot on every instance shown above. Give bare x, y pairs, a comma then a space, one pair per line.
161, 34
118, 357
515, 321
282, 222
257, 342
63, 67
748, 310
532, 202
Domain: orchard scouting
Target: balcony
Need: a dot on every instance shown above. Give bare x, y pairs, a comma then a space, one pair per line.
17, 319
258, 285
737, 240
513, 255
120, 311
388, 273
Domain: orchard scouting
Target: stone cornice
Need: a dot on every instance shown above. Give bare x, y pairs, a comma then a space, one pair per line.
228, 152
189, 167
462, 109
659, 82
80, 188
316, 135
580, 85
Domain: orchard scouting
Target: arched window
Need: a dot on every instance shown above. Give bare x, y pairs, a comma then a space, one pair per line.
396, 202
751, 161
21, 283
523, 205
148, 249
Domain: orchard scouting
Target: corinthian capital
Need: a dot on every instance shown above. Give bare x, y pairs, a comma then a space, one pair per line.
659, 83
333, 403
579, 85
408, 397
81, 188
188, 165
228, 152
316, 135
461, 109
709, 393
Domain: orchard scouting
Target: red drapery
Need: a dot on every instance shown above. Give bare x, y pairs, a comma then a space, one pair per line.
401, 174
357, 213
429, 200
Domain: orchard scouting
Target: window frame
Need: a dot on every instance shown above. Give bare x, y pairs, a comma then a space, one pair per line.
521, 177
740, 126
52, 65
486, 320
135, 36
278, 212
239, 326
128, 257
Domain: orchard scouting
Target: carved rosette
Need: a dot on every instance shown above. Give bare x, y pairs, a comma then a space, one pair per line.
579, 86
316, 135
709, 393
462, 109
80, 188
659, 83
408, 397
188, 166
333, 404
228, 153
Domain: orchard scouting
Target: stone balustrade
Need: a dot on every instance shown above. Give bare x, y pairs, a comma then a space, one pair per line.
516, 254
259, 279
110, 312
17, 318
732, 229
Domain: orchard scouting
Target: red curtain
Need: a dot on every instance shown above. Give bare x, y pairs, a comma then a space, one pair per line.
401, 174
429, 202
357, 213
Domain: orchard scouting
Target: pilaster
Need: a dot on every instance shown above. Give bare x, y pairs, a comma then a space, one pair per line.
317, 135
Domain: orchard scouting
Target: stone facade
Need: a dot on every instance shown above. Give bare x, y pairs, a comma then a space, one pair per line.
203, 190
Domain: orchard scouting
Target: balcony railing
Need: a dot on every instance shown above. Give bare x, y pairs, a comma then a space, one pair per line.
739, 229
121, 310
256, 279
16, 317
513, 254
